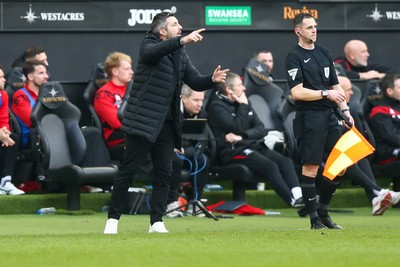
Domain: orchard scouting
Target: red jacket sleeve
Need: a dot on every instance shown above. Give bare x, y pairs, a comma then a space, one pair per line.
21, 107
4, 116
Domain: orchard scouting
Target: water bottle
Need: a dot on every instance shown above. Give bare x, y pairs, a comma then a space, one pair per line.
50, 210
267, 212
213, 187
105, 208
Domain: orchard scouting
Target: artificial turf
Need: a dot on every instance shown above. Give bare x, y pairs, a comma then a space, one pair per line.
271, 240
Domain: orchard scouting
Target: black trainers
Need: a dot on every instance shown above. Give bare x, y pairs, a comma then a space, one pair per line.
318, 225
327, 221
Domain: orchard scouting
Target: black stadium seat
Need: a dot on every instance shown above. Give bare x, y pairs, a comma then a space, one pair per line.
63, 145
264, 96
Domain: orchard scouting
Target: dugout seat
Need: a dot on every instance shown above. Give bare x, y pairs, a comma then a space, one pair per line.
287, 113
97, 80
263, 95
15, 80
63, 145
238, 173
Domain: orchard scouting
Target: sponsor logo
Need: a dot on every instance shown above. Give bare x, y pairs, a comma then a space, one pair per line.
259, 68
145, 16
248, 151
290, 13
53, 97
31, 16
293, 73
257, 73
228, 15
376, 15
326, 72
306, 60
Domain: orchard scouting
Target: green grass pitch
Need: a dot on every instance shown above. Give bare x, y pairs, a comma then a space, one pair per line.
272, 240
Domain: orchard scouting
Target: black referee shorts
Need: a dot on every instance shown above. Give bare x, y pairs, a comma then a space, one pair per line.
317, 132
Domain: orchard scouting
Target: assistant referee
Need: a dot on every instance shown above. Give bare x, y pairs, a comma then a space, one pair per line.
315, 88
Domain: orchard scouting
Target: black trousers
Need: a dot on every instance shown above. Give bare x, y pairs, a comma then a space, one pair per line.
273, 167
361, 173
8, 156
135, 155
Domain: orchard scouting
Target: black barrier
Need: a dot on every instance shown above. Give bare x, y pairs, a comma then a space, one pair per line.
246, 15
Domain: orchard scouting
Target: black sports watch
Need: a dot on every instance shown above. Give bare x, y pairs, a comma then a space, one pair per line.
324, 93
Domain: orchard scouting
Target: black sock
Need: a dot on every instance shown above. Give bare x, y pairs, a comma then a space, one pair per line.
309, 195
327, 190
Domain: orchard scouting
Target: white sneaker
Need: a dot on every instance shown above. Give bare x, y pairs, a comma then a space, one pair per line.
10, 189
395, 197
111, 227
381, 203
158, 227
175, 213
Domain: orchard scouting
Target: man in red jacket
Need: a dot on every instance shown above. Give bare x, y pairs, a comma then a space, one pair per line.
118, 67
24, 99
8, 149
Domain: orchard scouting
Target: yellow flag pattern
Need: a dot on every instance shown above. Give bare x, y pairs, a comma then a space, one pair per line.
349, 149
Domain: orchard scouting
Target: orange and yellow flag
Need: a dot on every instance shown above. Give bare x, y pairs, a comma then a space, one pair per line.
350, 148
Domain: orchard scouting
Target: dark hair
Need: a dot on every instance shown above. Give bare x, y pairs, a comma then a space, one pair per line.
1, 67
32, 52
259, 51
298, 19
159, 22
388, 81
29, 66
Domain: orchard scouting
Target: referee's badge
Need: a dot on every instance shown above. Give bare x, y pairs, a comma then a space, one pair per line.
326, 71
293, 73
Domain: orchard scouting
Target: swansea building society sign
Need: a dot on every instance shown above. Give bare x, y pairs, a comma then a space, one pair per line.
228, 15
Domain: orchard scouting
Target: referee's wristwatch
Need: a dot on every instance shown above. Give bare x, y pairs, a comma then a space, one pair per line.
324, 93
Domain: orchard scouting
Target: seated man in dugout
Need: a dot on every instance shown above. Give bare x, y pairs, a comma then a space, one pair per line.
118, 67
384, 120
241, 134
361, 172
8, 146
23, 101
265, 56
193, 158
355, 62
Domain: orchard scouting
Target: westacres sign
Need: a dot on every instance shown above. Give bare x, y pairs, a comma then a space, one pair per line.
92, 16
137, 16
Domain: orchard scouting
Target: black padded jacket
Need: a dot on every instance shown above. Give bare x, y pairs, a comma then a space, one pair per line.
162, 67
226, 117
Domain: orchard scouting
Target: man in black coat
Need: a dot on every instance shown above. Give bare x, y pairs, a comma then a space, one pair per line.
152, 119
241, 140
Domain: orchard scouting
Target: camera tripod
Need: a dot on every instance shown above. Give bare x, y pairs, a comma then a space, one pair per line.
197, 208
